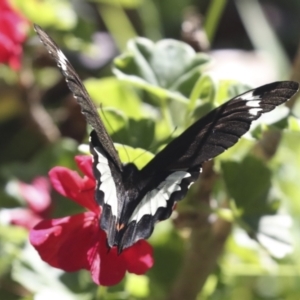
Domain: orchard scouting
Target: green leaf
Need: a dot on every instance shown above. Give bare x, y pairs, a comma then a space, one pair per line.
163, 69
169, 249
138, 156
293, 123
202, 97
11, 240
248, 182
141, 133
171, 60
286, 166
116, 124
186, 82
59, 154
49, 13
111, 92
208, 94
236, 88
204, 89
113, 119
137, 285
163, 95
202, 110
228, 89
129, 4
123, 130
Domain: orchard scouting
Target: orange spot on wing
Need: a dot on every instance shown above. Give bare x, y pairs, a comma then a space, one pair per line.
120, 226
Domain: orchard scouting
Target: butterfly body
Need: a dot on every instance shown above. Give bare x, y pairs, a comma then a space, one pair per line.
127, 213
133, 200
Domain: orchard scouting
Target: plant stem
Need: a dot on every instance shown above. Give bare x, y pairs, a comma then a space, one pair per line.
213, 16
206, 242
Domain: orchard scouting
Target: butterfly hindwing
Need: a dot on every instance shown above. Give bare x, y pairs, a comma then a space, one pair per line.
109, 188
156, 204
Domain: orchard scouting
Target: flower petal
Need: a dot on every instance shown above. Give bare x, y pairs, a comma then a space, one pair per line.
70, 184
138, 257
12, 35
19, 216
112, 267
85, 164
37, 194
109, 268
65, 243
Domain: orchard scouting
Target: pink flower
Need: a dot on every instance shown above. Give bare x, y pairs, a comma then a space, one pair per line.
37, 197
12, 35
77, 242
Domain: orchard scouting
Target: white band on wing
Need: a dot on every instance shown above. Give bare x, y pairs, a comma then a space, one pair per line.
159, 196
107, 185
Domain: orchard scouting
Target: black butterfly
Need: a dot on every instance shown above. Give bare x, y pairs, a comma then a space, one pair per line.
134, 200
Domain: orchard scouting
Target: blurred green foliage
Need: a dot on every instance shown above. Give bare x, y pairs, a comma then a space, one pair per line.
146, 96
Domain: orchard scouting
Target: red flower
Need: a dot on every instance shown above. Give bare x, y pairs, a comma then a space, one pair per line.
37, 197
77, 242
12, 34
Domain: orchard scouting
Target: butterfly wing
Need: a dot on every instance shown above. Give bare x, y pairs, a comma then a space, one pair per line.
109, 191
77, 88
155, 203
168, 176
220, 129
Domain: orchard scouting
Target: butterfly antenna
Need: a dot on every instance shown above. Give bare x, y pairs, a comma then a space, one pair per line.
153, 146
113, 131
141, 154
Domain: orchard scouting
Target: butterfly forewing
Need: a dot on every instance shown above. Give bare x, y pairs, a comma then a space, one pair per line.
221, 128
77, 88
133, 200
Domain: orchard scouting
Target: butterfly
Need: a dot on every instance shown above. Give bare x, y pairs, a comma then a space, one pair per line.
133, 200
